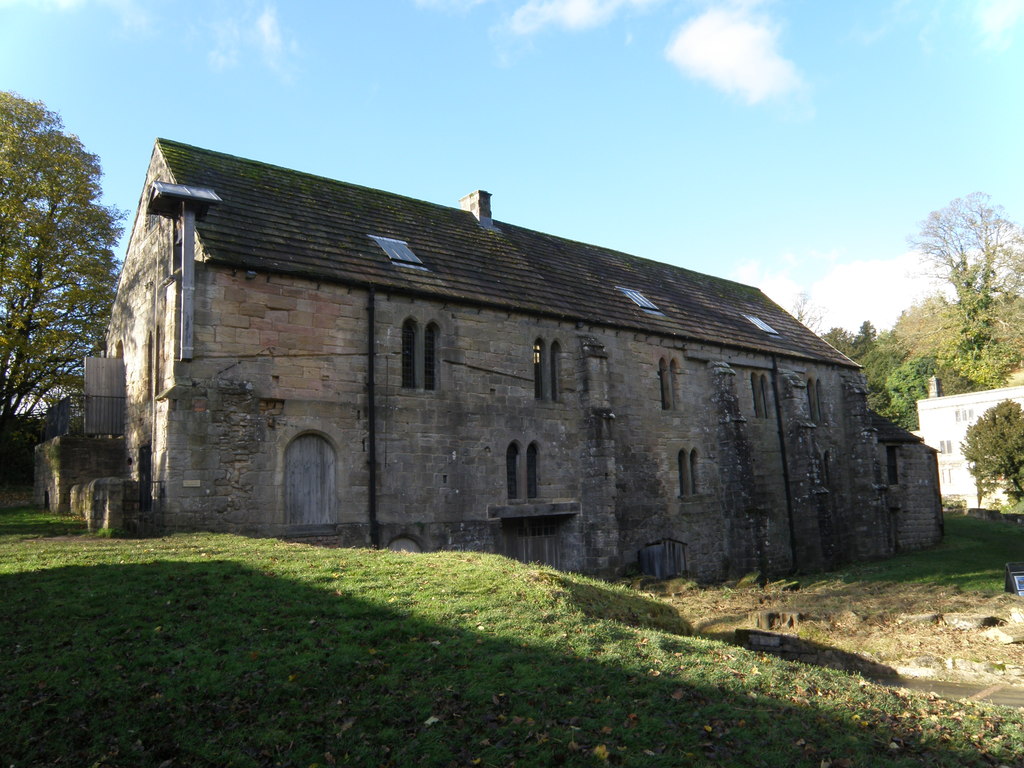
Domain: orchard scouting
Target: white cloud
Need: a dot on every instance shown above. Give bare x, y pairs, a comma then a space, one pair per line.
997, 19
262, 34
848, 293
736, 50
534, 15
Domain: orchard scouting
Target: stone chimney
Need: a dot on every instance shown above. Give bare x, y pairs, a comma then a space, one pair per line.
934, 387
479, 204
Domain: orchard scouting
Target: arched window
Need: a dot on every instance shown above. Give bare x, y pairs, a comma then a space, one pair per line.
687, 461
512, 470
663, 381
538, 369
409, 354
813, 400
556, 372
684, 473
757, 393
531, 471
673, 384
430, 357
764, 394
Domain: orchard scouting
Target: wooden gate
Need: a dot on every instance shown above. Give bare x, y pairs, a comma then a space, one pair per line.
310, 497
533, 539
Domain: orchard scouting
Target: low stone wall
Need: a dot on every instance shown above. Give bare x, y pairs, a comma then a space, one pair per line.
793, 648
101, 502
995, 516
66, 461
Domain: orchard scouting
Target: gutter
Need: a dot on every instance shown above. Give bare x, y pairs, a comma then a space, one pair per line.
371, 412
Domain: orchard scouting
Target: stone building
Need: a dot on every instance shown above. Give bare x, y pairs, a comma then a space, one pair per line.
309, 358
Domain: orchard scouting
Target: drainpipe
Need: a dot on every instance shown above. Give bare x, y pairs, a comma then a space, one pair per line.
371, 412
188, 278
785, 460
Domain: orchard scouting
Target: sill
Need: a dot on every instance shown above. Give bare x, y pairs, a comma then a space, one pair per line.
533, 508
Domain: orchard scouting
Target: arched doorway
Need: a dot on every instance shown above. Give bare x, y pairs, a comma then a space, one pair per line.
310, 497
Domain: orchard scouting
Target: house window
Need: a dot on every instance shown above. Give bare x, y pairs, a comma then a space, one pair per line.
762, 325
419, 355
687, 465
547, 367
555, 365
518, 477
512, 470
430, 357
892, 464
409, 334
538, 369
398, 251
531, 471
759, 392
640, 300
664, 384
813, 399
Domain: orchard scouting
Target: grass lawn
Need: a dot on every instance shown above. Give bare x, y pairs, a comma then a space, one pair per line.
972, 556
202, 650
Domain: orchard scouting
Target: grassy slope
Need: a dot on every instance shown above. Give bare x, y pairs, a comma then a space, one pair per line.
972, 556
220, 650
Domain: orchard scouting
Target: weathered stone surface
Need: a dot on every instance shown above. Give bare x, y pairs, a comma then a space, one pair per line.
1003, 635
737, 464
969, 621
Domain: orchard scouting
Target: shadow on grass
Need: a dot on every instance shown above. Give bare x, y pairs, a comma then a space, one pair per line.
30, 521
245, 668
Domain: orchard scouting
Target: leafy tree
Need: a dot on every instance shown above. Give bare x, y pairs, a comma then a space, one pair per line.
880, 359
57, 267
971, 248
906, 384
994, 450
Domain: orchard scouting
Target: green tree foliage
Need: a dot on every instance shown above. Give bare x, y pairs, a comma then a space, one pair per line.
906, 384
978, 254
994, 450
57, 267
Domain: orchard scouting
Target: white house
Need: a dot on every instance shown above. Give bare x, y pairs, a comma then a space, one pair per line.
943, 425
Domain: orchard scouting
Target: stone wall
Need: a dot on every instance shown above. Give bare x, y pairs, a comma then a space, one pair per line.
638, 437
279, 357
104, 503
66, 461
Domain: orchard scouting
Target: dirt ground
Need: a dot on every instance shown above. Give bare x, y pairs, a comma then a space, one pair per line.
923, 631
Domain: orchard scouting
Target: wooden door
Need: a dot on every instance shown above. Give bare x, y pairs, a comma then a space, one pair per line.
533, 539
309, 483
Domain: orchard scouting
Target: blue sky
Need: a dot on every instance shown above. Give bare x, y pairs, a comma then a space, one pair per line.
790, 144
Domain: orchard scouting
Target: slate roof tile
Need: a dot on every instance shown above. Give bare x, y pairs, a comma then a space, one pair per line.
281, 220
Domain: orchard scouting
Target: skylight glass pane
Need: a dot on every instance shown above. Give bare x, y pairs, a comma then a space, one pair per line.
639, 299
397, 250
762, 325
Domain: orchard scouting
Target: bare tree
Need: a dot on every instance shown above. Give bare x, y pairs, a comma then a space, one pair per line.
971, 247
808, 313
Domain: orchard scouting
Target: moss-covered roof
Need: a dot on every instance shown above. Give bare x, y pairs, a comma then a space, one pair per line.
279, 220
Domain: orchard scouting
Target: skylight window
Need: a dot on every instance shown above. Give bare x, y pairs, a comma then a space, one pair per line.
762, 325
398, 251
640, 300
